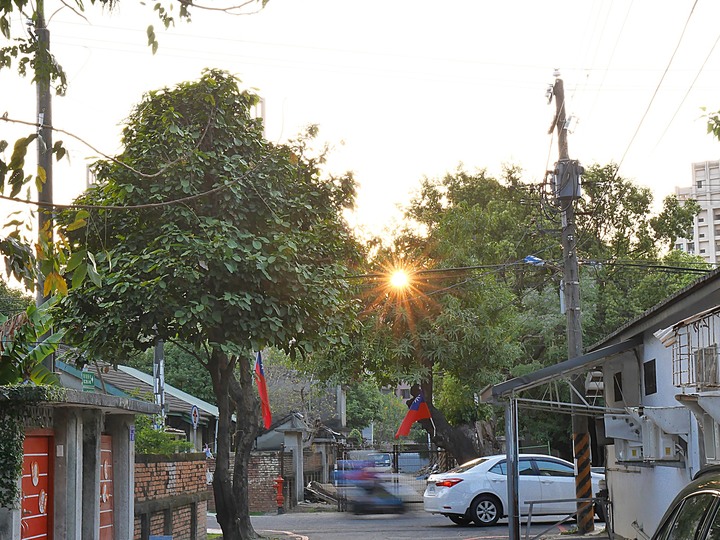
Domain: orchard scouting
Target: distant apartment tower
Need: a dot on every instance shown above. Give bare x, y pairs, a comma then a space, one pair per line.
705, 189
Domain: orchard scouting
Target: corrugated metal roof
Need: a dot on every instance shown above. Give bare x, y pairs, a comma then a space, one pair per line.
203, 406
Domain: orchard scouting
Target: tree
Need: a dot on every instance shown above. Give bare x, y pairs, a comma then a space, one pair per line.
210, 237
13, 301
456, 331
364, 403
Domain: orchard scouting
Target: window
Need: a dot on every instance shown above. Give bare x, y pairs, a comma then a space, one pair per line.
702, 251
617, 387
405, 393
548, 467
699, 184
714, 530
701, 220
524, 468
701, 235
685, 522
650, 376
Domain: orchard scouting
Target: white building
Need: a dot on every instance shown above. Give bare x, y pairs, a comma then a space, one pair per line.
705, 189
659, 420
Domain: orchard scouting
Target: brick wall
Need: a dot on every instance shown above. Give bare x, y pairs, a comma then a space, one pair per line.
171, 494
264, 467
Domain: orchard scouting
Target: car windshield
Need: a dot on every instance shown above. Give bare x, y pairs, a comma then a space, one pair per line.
380, 459
467, 466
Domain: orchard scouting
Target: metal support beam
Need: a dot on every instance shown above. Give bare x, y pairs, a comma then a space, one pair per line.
511, 449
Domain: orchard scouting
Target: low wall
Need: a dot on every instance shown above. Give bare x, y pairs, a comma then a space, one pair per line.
264, 467
171, 494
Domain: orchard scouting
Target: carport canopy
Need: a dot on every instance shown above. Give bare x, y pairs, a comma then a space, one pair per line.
503, 391
507, 394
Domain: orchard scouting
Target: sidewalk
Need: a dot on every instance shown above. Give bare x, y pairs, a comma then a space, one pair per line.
569, 532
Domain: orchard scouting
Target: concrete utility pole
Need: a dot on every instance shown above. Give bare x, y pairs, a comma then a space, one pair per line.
44, 143
567, 190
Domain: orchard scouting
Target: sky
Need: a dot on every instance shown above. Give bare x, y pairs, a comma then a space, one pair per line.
406, 89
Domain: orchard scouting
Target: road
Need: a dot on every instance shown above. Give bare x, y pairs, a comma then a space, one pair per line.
413, 524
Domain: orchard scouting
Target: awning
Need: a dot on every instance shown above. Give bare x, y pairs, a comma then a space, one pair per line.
499, 392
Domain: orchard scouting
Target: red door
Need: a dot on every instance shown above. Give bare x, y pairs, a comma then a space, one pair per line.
107, 520
37, 484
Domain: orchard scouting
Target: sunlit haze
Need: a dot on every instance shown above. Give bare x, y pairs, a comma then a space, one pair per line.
407, 89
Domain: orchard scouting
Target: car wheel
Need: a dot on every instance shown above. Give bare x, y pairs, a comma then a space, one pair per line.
485, 510
457, 519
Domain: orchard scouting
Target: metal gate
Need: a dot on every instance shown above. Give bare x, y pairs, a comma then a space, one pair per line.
37, 486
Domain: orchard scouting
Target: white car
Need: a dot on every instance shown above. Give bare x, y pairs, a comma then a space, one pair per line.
477, 490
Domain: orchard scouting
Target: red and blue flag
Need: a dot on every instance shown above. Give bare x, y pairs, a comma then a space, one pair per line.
263, 391
418, 411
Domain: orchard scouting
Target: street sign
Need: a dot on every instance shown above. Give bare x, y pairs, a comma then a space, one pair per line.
88, 381
195, 416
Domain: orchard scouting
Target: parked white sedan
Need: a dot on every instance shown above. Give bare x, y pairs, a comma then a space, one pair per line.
477, 490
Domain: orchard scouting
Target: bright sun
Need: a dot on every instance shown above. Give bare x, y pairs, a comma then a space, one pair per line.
399, 279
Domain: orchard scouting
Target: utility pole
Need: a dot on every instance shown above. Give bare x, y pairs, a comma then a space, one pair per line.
567, 191
44, 121
44, 144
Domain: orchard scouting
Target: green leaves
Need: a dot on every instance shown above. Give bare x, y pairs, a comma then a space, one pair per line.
247, 263
151, 39
26, 344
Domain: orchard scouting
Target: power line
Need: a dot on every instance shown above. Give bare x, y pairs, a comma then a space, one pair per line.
657, 88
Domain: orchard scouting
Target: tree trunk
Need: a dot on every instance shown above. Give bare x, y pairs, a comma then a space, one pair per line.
231, 494
462, 443
246, 401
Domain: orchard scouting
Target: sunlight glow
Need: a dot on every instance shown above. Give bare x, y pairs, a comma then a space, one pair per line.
399, 279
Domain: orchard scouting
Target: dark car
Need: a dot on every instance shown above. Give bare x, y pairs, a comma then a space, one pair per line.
694, 514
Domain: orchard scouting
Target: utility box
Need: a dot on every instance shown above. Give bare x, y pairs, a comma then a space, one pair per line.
628, 450
566, 179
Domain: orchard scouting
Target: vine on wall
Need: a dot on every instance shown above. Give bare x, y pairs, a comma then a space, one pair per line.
16, 403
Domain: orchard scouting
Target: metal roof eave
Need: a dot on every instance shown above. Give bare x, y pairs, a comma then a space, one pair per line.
496, 393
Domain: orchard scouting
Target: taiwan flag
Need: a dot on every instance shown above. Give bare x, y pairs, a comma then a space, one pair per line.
418, 411
262, 390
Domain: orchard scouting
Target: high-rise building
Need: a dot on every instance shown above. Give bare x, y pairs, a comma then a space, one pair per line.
705, 189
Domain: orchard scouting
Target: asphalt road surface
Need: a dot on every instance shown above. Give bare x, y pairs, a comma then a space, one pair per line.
414, 524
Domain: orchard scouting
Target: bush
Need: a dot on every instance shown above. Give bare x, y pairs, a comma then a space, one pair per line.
149, 440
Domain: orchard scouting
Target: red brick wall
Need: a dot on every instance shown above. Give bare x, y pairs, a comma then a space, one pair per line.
264, 467
168, 491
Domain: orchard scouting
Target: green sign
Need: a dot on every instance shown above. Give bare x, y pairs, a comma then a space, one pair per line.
88, 381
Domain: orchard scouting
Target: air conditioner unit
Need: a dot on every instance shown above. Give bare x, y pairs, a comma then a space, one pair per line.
628, 450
